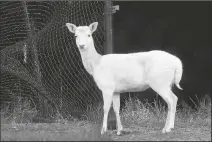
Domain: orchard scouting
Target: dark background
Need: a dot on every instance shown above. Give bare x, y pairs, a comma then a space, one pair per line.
180, 28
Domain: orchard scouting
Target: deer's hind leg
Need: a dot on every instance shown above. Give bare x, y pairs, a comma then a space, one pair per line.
166, 93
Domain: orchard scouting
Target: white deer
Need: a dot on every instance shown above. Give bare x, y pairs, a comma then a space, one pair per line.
118, 73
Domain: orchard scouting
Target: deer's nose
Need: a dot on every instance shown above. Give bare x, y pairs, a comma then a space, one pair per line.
81, 46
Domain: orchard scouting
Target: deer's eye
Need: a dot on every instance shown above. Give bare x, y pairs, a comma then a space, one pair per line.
75, 36
89, 35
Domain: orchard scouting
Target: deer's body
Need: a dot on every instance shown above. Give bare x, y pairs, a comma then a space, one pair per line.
133, 72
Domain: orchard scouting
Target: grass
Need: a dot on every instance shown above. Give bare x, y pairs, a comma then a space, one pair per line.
141, 121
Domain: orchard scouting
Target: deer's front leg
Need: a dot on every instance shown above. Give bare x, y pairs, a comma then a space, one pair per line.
107, 98
116, 107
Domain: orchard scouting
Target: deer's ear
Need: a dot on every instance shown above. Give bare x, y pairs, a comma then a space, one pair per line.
93, 26
71, 27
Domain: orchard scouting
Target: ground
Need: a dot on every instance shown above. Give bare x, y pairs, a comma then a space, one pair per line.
193, 131
187, 132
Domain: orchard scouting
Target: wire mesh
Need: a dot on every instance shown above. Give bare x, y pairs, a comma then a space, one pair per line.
39, 58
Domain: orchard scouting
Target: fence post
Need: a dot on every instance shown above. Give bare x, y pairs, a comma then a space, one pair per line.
108, 49
108, 27
108, 12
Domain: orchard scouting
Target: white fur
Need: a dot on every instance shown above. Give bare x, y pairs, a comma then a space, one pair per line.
118, 73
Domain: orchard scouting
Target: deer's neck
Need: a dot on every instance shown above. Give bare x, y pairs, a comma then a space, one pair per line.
90, 59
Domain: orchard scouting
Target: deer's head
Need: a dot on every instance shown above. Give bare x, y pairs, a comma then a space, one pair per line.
83, 34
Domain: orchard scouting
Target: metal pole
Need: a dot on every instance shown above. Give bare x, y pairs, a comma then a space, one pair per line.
108, 26
108, 50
